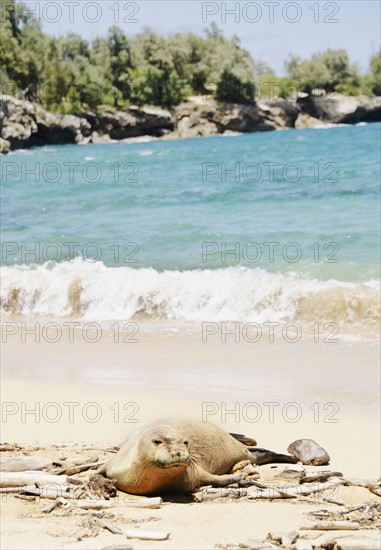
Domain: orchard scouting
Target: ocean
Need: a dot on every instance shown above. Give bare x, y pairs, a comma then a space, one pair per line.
263, 227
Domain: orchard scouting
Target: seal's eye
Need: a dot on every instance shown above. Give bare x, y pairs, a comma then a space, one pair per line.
185, 443
157, 442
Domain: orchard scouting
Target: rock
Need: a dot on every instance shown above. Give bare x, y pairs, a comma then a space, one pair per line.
304, 120
5, 146
98, 138
308, 451
132, 122
53, 129
24, 124
231, 118
17, 121
338, 108
192, 126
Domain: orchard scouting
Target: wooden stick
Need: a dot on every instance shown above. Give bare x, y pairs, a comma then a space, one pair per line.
50, 507
71, 470
268, 494
333, 500
320, 477
147, 535
204, 496
87, 504
332, 526
12, 479
114, 529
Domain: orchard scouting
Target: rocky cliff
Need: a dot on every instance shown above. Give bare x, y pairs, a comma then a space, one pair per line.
24, 124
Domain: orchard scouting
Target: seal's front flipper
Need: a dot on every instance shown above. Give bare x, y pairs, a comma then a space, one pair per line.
263, 456
248, 441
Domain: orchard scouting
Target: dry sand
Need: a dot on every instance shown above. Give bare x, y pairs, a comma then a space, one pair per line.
89, 395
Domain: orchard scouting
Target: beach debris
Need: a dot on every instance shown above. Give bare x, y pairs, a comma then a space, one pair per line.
295, 472
289, 538
363, 542
333, 500
332, 526
293, 491
102, 487
50, 507
87, 504
303, 544
373, 486
114, 529
319, 476
216, 493
13, 479
147, 535
256, 544
308, 451
118, 547
9, 447
23, 463
73, 469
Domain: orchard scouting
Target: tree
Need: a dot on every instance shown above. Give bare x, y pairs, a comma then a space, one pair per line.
375, 69
231, 88
329, 70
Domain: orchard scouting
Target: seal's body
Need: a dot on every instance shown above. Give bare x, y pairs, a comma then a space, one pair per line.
176, 455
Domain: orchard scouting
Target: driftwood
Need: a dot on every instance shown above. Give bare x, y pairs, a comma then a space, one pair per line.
72, 470
51, 493
293, 491
216, 493
23, 463
9, 447
333, 500
50, 507
12, 479
319, 476
358, 543
332, 526
114, 529
87, 504
147, 535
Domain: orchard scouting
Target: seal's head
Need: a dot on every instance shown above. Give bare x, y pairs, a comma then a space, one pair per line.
165, 449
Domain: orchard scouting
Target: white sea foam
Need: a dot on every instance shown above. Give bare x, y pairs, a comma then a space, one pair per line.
97, 292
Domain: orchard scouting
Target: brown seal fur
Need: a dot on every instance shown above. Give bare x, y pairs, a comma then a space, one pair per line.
176, 455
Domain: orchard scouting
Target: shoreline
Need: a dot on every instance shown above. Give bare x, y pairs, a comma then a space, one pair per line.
274, 392
56, 404
187, 120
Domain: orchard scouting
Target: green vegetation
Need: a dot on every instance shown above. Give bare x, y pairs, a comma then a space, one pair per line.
70, 74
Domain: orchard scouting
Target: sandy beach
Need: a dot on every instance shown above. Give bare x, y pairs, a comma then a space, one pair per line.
68, 398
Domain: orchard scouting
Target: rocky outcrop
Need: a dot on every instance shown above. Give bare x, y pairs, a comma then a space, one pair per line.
133, 122
306, 121
342, 109
5, 146
24, 124
193, 119
17, 121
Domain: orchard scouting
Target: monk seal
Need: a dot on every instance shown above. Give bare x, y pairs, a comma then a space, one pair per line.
178, 455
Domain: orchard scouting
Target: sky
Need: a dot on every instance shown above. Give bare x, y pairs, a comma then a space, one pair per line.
269, 29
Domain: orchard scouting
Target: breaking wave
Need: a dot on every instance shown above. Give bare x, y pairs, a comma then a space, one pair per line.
93, 291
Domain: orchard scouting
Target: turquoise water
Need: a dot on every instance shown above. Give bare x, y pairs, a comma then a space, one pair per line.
136, 212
